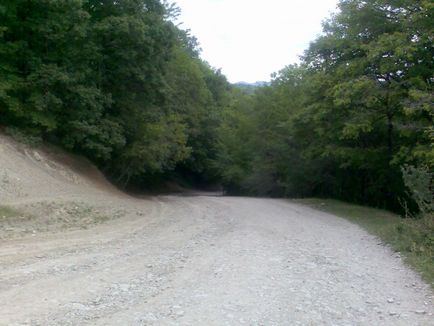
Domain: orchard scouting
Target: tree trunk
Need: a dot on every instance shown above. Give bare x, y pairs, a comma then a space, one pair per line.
389, 133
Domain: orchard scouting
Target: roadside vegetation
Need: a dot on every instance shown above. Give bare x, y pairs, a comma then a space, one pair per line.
412, 238
7, 212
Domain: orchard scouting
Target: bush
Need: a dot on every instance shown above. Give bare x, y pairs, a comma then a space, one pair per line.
420, 228
419, 181
22, 137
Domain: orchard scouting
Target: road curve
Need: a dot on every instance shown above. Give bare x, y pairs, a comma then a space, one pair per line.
205, 260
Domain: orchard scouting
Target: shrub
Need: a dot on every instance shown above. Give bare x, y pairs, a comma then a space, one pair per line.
420, 227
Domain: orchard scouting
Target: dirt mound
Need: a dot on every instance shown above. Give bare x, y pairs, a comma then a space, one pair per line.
32, 174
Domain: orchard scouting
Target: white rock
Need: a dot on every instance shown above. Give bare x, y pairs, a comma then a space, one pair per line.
37, 156
150, 317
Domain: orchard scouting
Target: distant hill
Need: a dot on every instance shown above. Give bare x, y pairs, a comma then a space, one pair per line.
251, 87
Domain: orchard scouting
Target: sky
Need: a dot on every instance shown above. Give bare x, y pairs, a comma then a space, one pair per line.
251, 39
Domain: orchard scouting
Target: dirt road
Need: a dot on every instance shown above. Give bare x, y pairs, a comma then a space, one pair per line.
206, 260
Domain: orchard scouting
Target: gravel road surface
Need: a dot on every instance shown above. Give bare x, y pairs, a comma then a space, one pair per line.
207, 260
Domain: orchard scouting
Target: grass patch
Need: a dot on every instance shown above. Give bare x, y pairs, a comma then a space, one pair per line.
413, 238
7, 213
23, 137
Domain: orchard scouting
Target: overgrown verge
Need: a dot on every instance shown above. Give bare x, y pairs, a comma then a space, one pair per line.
412, 237
7, 213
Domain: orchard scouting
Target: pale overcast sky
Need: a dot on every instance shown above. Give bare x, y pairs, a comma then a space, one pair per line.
250, 39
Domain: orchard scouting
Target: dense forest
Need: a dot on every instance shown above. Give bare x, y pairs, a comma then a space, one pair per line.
116, 81
350, 119
119, 82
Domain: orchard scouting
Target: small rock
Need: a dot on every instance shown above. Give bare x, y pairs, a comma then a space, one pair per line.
37, 156
150, 317
97, 301
390, 300
420, 312
393, 313
124, 287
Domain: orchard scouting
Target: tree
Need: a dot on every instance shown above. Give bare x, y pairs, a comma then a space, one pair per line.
359, 107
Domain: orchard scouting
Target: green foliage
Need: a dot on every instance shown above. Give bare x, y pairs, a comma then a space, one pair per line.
159, 147
197, 94
23, 138
234, 148
343, 122
419, 181
7, 212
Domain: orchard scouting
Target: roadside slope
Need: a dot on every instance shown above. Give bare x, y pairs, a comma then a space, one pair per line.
34, 173
46, 189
